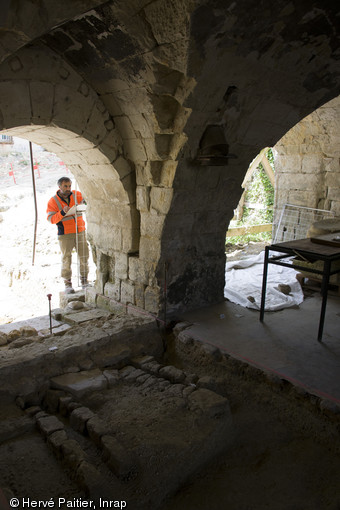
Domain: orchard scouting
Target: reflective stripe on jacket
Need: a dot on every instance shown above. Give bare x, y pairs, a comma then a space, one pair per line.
56, 215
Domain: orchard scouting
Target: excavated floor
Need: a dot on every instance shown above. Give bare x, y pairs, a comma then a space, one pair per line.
115, 414
106, 419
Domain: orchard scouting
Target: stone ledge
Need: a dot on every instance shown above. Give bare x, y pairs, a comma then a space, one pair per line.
80, 383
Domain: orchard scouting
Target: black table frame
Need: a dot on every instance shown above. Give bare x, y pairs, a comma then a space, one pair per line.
290, 249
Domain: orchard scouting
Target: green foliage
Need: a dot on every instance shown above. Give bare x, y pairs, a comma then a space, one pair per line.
270, 157
259, 192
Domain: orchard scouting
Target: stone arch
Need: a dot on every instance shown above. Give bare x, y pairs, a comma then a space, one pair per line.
164, 72
45, 101
255, 87
307, 162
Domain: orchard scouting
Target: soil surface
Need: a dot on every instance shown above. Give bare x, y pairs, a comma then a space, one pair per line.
286, 454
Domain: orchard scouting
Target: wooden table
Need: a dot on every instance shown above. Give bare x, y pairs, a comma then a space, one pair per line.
308, 250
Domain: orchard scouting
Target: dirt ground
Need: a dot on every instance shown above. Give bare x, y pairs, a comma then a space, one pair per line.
286, 456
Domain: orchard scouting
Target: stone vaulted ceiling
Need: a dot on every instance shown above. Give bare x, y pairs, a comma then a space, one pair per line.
158, 108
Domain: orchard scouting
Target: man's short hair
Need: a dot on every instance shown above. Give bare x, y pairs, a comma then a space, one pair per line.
63, 179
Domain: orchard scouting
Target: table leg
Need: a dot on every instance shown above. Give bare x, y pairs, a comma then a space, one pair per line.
264, 282
324, 293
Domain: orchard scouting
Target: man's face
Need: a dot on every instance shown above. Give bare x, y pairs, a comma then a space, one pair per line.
65, 188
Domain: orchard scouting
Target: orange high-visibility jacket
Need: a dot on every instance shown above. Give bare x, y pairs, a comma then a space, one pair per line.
56, 215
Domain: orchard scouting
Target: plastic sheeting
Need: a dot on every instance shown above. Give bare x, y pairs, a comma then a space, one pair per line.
243, 284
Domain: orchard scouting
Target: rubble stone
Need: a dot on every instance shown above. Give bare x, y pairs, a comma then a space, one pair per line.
51, 400
56, 439
132, 376
72, 453
20, 342
79, 317
49, 424
112, 377
79, 417
210, 403
13, 335
28, 331
174, 374
64, 405
97, 428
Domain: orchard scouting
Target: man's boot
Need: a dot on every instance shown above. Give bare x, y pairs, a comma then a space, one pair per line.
68, 287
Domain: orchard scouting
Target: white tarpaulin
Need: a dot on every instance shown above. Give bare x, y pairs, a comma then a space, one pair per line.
243, 284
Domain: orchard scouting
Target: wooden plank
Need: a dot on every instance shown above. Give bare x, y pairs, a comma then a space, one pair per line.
253, 166
251, 229
239, 209
268, 169
258, 207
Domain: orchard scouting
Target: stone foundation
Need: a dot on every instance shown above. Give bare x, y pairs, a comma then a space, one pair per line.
116, 423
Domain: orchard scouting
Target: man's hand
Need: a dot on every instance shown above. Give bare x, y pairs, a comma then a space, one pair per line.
66, 208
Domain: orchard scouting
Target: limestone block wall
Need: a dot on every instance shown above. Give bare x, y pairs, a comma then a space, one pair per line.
124, 93
119, 137
307, 162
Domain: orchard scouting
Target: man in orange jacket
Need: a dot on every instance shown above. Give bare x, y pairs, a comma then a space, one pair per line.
62, 211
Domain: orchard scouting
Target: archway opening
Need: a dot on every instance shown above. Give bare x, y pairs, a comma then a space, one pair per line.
29, 267
252, 225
